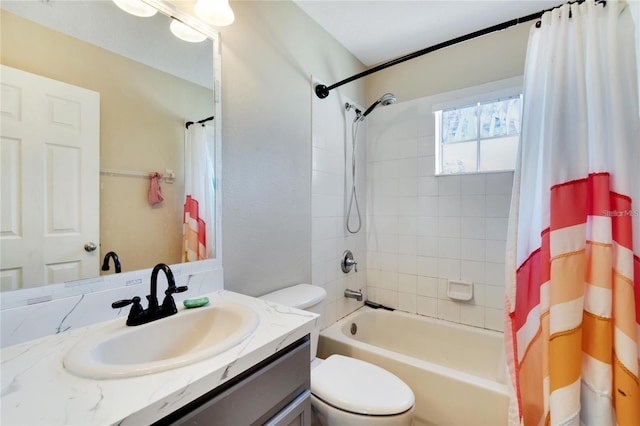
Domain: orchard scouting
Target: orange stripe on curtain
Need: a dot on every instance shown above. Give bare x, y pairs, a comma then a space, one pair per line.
598, 337
626, 395
565, 349
624, 311
599, 269
530, 377
568, 272
578, 331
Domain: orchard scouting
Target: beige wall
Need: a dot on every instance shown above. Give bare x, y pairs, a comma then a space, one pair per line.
268, 57
492, 57
141, 129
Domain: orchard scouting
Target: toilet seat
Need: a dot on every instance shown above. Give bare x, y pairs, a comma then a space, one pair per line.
359, 387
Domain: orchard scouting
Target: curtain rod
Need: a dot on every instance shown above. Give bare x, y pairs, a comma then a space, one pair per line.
322, 91
204, 120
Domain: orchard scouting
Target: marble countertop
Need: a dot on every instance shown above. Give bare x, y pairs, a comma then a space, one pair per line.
37, 390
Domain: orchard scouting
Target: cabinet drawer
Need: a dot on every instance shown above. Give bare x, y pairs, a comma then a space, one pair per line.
297, 413
257, 395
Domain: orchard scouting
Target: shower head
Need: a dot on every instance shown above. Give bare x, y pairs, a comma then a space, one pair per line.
384, 100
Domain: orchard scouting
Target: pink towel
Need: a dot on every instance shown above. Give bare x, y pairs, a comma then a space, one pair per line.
155, 192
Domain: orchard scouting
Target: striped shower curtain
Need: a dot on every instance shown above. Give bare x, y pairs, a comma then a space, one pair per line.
572, 301
198, 225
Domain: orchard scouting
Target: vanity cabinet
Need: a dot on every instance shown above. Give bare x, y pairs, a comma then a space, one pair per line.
274, 392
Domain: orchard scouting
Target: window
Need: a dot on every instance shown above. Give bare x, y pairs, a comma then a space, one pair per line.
478, 137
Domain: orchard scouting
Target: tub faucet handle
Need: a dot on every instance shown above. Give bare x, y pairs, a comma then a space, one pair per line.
348, 262
351, 262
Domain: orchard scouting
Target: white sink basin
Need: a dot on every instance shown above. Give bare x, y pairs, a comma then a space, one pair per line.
191, 335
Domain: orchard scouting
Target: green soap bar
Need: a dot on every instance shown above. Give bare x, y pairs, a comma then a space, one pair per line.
195, 303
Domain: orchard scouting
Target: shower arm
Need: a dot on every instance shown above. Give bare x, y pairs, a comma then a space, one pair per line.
371, 108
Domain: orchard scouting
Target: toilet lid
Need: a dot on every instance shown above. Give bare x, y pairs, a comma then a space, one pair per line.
359, 387
299, 296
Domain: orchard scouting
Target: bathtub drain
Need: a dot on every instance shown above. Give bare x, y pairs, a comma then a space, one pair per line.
354, 328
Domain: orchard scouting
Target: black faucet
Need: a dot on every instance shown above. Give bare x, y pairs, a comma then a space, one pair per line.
116, 262
137, 315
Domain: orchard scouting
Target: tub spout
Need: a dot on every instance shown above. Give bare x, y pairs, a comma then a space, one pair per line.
353, 294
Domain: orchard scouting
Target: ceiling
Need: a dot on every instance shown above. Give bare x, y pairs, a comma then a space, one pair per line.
103, 24
379, 30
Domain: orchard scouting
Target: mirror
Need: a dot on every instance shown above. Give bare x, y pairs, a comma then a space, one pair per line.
149, 83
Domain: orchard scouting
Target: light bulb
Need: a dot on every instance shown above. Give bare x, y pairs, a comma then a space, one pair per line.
136, 7
215, 12
185, 32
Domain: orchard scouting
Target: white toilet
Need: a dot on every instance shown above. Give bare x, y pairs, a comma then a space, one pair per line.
344, 390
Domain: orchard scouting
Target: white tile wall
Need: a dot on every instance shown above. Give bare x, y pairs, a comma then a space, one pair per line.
331, 136
424, 229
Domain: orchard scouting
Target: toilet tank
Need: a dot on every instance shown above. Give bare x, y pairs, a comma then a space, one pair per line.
307, 297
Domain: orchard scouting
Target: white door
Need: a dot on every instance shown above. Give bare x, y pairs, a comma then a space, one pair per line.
49, 180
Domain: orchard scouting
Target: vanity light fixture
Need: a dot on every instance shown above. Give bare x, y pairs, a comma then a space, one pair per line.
136, 7
215, 12
185, 32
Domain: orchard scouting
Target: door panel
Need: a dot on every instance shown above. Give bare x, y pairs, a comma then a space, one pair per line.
10, 223
50, 180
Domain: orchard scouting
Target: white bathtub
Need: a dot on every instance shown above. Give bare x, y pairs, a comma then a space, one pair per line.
456, 372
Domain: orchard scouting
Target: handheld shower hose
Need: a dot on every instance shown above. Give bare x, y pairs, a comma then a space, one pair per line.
384, 100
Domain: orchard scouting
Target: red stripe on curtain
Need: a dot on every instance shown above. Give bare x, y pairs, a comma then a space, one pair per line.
621, 220
202, 233
599, 201
568, 204
527, 288
190, 206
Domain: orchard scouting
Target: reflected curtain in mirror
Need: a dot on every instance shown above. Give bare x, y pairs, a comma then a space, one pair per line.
199, 207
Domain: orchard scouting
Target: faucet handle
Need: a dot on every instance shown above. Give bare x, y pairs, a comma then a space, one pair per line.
348, 262
171, 290
122, 303
168, 304
136, 309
